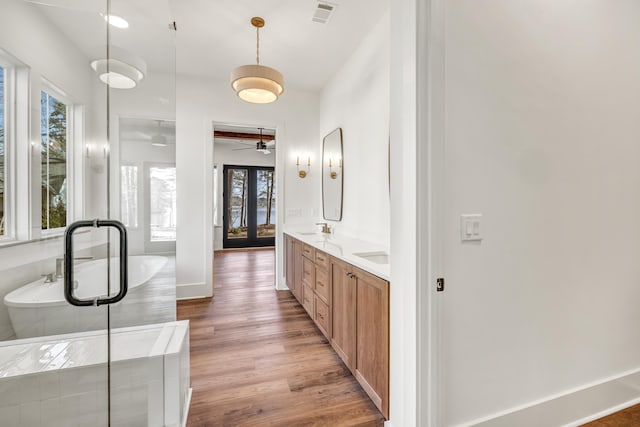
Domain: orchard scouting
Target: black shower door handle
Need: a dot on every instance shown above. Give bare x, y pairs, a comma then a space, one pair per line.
68, 262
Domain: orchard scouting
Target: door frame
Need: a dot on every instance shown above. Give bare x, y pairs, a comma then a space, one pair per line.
252, 240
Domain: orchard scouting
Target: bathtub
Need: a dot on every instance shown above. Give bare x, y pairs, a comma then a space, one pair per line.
39, 309
62, 380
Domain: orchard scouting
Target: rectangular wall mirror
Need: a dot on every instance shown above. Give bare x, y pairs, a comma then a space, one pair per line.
332, 174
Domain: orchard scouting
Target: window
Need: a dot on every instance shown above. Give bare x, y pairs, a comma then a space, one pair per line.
162, 201
3, 207
53, 128
129, 191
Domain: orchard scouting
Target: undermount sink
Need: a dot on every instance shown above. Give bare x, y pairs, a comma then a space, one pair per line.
377, 257
307, 233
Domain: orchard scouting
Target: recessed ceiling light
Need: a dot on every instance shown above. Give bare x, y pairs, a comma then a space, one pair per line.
116, 21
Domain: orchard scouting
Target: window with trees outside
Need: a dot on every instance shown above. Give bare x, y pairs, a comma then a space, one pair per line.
162, 203
129, 192
53, 128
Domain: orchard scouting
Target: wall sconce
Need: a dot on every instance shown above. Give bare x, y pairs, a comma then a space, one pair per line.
334, 173
94, 152
96, 156
303, 173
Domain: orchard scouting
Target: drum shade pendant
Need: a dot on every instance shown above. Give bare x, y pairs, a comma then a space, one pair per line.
257, 83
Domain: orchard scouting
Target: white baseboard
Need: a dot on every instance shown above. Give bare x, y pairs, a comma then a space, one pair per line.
573, 408
281, 285
192, 290
388, 423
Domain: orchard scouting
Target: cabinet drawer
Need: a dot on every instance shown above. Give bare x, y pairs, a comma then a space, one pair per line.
321, 316
308, 251
322, 260
322, 284
307, 299
308, 272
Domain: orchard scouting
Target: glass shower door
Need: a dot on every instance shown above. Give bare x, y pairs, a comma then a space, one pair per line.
54, 356
87, 322
149, 360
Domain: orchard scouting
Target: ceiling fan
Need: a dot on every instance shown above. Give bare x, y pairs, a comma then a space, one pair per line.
261, 146
158, 139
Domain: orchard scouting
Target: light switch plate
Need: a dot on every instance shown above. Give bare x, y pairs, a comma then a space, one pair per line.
471, 227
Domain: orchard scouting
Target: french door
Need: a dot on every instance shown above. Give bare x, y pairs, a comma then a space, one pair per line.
249, 206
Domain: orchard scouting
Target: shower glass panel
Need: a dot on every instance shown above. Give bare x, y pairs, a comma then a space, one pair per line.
83, 101
54, 139
149, 351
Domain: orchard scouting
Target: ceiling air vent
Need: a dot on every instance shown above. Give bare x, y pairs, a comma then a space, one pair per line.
323, 12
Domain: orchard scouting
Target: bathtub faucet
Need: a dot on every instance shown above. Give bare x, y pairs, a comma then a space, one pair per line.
49, 278
60, 265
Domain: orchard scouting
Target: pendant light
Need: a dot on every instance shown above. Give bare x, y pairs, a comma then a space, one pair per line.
257, 83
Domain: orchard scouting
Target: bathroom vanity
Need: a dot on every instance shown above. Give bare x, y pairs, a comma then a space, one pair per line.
343, 284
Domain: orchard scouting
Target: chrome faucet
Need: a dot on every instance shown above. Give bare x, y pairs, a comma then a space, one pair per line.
49, 278
325, 227
60, 266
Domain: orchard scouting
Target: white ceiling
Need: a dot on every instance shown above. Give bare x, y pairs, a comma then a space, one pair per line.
214, 36
142, 130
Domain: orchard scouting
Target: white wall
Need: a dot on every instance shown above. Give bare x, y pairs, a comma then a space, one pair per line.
224, 154
201, 102
28, 36
542, 132
357, 100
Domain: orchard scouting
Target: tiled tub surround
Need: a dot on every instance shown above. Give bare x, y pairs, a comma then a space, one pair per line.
39, 309
62, 381
344, 248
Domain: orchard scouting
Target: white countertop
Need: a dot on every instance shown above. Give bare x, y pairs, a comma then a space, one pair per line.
343, 248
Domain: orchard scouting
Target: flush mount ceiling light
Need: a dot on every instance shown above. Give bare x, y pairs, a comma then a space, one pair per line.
123, 70
257, 83
116, 21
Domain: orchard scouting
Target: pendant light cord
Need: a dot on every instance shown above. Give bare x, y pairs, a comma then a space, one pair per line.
258, 45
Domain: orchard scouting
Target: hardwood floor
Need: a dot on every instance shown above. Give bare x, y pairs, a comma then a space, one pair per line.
629, 417
257, 359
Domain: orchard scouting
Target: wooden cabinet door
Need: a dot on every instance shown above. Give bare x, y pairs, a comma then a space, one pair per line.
289, 249
308, 273
372, 338
322, 285
297, 269
308, 299
321, 315
343, 311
